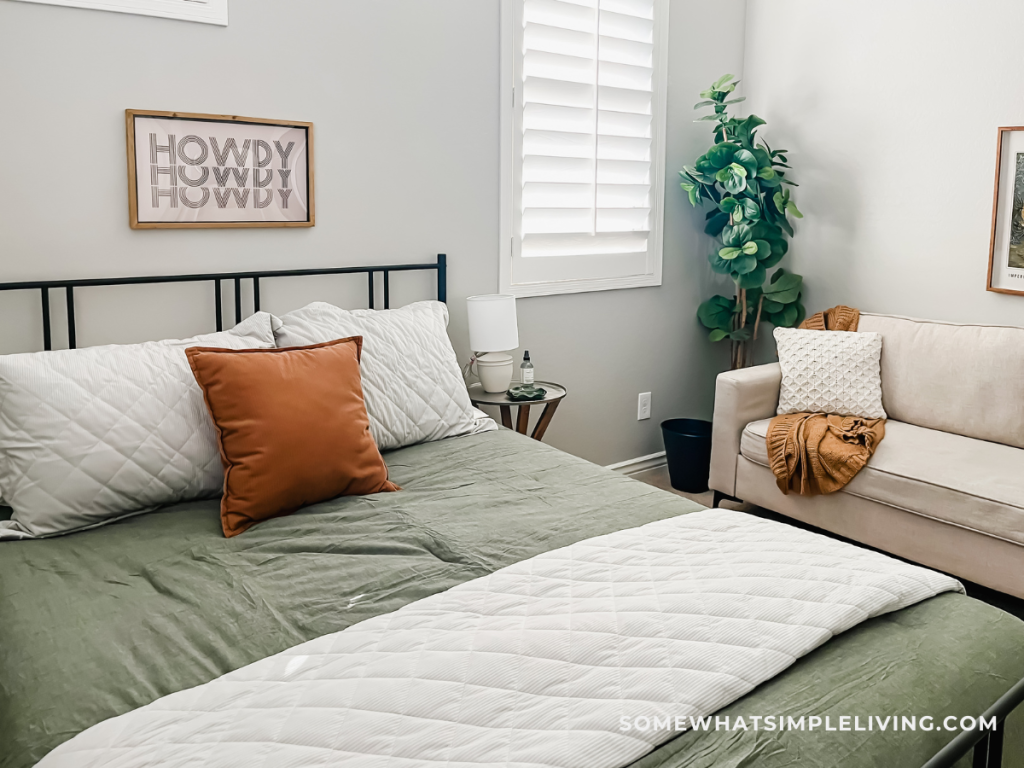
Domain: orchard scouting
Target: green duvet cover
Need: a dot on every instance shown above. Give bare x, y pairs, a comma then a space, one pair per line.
100, 622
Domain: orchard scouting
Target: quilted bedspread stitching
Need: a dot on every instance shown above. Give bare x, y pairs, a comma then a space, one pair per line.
533, 665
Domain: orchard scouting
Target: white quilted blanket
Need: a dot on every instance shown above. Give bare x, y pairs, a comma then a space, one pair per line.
534, 665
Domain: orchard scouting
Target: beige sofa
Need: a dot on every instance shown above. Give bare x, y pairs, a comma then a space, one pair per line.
946, 485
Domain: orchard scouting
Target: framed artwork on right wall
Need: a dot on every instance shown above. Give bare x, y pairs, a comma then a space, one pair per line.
1006, 252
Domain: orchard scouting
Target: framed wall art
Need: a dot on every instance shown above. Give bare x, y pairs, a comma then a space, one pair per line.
1006, 252
205, 11
192, 171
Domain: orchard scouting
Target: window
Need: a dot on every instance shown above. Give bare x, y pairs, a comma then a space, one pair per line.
206, 11
583, 144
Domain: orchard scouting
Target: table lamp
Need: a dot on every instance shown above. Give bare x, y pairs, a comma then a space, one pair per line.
493, 331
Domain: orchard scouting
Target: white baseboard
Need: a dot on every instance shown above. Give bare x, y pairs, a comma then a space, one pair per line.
639, 464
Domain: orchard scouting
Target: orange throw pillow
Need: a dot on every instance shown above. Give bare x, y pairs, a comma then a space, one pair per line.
292, 428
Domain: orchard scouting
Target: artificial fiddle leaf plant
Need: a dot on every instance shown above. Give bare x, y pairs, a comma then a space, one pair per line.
745, 182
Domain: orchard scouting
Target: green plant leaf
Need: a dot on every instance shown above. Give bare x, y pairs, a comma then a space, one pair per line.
792, 210
751, 210
784, 287
704, 166
772, 259
721, 81
744, 264
745, 158
737, 234
753, 279
779, 245
702, 104
716, 223
766, 173
728, 204
763, 248
718, 264
716, 312
750, 248
721, 155
718, 334
706, 118
691, 173
728, 253
801, 313
735, 101
771, 183
752, 123
786, 318
770, 307
764, 230
733, 178
740, 334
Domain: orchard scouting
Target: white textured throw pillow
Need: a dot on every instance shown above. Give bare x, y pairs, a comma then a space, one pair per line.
830, 372
412, 383
91, 435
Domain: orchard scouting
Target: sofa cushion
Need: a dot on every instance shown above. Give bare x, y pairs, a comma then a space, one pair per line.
965, 379
959, 480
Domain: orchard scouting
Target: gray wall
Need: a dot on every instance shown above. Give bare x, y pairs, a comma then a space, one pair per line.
404, 95
891, 109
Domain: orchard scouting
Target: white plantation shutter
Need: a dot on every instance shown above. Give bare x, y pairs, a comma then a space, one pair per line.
584, 176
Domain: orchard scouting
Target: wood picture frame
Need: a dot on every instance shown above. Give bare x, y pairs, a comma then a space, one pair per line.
248, 156
204, 11
1006, 257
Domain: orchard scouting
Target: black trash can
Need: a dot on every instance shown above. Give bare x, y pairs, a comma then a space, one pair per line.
688, 453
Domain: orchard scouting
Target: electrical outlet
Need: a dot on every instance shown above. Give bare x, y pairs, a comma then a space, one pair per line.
643, 406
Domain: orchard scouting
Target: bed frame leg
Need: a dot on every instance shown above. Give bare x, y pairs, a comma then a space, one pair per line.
980, 754
995, 746
988, 753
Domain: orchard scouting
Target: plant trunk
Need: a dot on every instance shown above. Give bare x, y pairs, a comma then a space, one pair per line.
740, 352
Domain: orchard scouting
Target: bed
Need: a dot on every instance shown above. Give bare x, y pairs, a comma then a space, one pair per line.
101, 622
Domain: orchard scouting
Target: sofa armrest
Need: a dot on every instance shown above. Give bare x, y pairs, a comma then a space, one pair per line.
743, 396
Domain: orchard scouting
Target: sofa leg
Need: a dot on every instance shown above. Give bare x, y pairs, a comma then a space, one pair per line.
719, 497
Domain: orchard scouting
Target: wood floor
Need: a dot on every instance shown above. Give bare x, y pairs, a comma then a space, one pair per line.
658, 477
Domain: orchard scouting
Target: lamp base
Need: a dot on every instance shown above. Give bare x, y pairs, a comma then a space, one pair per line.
495, 371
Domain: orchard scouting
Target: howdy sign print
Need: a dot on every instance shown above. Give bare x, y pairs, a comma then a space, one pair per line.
210, 171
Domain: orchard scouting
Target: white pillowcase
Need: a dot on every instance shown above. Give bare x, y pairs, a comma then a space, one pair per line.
412, 383
830, 372
91, 435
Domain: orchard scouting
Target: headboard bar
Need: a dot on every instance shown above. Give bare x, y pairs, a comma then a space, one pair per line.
44, 287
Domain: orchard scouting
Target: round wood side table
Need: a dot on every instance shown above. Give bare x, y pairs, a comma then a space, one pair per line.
555, 393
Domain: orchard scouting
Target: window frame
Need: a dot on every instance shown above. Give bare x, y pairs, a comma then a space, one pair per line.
509, 196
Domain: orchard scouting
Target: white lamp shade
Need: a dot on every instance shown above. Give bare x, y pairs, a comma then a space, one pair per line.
492, 323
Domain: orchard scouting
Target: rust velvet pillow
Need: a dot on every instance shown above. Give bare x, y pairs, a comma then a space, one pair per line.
292, 428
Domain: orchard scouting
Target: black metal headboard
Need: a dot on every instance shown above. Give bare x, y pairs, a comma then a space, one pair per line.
44, 287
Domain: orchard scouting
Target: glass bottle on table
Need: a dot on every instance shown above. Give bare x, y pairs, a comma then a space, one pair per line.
526, 371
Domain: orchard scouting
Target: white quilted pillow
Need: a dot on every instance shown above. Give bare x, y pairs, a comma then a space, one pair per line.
830, 372
91, 435
412, 383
